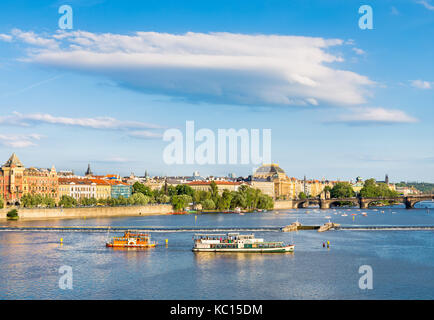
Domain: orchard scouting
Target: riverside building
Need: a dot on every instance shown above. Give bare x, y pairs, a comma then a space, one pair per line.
16, 180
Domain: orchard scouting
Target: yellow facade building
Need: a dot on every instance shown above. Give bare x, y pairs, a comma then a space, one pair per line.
103, 188
284, 187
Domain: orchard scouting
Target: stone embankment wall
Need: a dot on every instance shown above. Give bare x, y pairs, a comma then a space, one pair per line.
67, 213
283, 204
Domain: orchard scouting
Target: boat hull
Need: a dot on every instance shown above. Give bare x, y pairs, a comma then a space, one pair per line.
111, 245
247, 250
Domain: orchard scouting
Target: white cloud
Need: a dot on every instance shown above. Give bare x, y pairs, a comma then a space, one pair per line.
358, 51
426, 4
20, 140
96, 123
144, 134
215, 67
375, 115
420, 84
33, 39
5, 37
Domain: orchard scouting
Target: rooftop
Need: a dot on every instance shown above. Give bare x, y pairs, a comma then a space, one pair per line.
13, 162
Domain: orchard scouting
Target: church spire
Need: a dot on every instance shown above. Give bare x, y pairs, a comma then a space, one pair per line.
88, 171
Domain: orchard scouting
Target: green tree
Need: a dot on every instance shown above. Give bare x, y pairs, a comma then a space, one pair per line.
122, 201
88, 202
2, 204
48, 202
139, 199
12, 214
113, 202
369, 189
102, 201
342, 190
203, 195
208, 204
184, 189
30, 201
224, 202
302, 196
239, 200
67, 202
140, 187
265, 202
372, 189
162, 198
180, 202
214, 191
26, 200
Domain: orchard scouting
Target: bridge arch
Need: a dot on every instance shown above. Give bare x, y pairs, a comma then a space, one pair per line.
302, 204
368, 202
410, 202
333, 202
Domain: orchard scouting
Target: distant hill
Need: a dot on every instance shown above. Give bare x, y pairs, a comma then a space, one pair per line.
424, 187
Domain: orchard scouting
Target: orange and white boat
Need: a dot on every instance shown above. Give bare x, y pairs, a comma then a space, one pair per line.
132, 240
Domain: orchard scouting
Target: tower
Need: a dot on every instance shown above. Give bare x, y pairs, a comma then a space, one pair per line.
13, 179
386, 180
88, 171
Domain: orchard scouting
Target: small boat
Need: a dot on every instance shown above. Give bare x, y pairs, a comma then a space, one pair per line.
235, 242
344, 215
180, 212
132, 240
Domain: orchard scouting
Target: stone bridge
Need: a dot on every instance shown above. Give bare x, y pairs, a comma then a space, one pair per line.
363, 203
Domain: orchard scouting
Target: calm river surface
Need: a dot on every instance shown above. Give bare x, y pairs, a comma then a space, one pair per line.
402, 261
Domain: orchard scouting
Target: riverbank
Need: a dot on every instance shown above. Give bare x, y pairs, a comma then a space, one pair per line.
88, 212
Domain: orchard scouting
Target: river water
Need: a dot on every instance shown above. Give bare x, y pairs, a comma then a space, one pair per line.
402, 261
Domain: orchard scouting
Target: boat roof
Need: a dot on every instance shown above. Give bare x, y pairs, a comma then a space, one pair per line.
222, 234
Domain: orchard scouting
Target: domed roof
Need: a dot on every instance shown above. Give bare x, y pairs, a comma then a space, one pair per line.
269, 169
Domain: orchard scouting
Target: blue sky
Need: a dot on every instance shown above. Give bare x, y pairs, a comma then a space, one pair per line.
340, 101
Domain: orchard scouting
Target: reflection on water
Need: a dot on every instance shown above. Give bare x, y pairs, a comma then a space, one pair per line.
401, 260
202, 258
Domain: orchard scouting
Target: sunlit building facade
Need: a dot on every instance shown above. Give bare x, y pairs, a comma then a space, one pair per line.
16, 180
